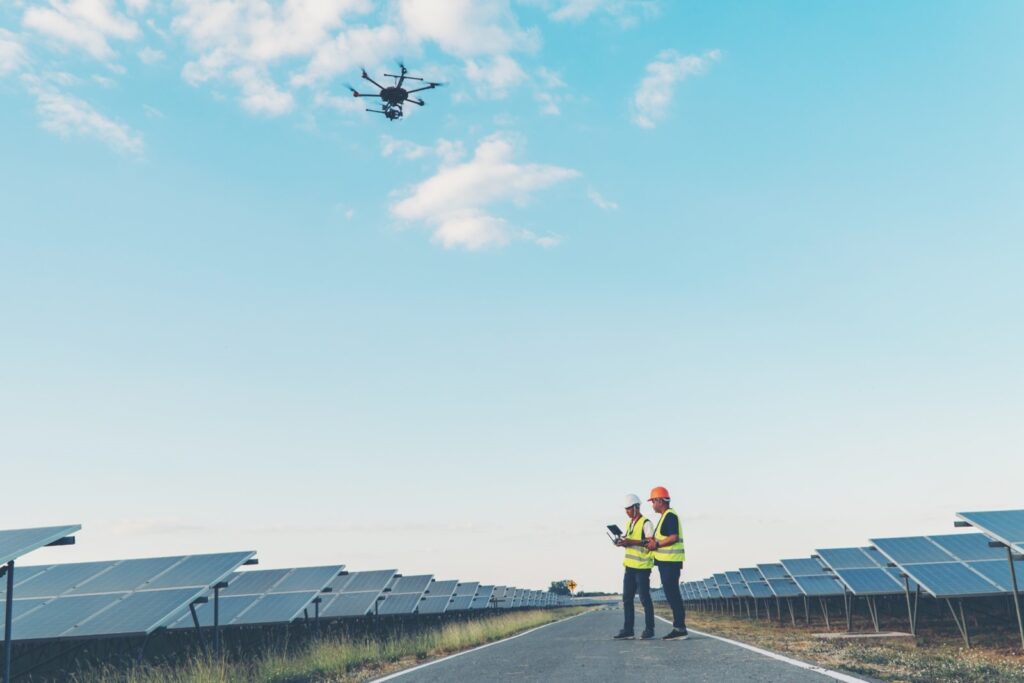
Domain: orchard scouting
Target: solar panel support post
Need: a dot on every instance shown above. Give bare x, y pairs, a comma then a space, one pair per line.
1013, 584
848, 599
873, 610
961, 622
911, 608
195, 622
8, 618
824, 612
807, 611
216, 617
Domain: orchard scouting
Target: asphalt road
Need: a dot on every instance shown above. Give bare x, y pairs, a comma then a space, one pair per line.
581, 649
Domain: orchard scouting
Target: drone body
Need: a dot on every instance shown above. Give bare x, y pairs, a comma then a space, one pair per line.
394, 96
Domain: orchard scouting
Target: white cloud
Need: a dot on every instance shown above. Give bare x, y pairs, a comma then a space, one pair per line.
83, 24
494, 79
466, 28
260, 95
66, 116
349, 50
150, 55
548, 103
103, 81
152, 112
12, 53
625, 12
455, 202
654, 93
600, 201
241, 41
448, 151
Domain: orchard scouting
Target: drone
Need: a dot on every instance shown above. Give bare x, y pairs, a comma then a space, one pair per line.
393, 97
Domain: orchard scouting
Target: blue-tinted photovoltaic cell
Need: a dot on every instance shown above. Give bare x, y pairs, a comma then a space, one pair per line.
1003, 525
253, 583
784, 588
870, 581
434, 605
969, 547
951, 579
480, 602
58, 579
760, 589
462, 602
365, 581
17, 542
349, 604
57, 617
230, 607
140, 612
412, 584
803, 566
846, 558
196, 570
751, 574
308, 578
911, 550
819, 586
740, 589
277, 608
998, 572
772, 571
468, 588
726, 590
126, 575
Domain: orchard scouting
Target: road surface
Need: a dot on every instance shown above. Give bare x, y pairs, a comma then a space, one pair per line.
581, 649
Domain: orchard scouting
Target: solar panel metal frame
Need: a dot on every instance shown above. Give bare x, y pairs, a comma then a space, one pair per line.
940, 573
15, 543
1005, 526
56, 609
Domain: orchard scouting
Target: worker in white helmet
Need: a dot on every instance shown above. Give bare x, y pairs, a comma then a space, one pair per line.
638, 563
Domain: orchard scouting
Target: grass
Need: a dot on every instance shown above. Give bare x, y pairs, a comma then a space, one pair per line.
938, 657
339, 659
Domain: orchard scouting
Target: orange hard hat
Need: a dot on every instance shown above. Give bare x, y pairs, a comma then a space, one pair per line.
659, 492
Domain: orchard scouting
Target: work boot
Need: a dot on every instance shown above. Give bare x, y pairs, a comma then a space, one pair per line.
624, 635
676, 634
646, 635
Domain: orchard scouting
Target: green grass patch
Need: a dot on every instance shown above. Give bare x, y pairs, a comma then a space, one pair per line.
336, 659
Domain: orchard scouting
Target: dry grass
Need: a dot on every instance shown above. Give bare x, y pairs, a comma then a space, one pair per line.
338, 660
937, 658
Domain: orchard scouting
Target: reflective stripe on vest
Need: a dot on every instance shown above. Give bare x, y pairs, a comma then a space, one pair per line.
669, 553
637, 556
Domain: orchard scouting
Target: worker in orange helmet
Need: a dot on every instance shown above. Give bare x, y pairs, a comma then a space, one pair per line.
669, 553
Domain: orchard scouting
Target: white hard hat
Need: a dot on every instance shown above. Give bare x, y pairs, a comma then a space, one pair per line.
631, 500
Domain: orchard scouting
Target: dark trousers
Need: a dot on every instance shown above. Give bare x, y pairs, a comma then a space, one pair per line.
669, 572
633, 582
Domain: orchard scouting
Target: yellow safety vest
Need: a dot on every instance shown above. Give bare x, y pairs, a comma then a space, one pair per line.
669, 553
637, 556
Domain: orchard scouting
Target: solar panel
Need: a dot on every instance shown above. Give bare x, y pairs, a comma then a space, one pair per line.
996, 571
482, 600
938, 571
17, 542
349, 604
468, 588
1002, 525
751, 574
434, 605
819, 586
847, 558
772, 571
784, 588
911, 549
399, 603
461, 602
803, 566
115, 598
442, 588
412, 584
265, 596
365, 581
968, 547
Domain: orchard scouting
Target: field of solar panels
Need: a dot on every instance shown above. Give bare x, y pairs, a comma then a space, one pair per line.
941, 607
212, 617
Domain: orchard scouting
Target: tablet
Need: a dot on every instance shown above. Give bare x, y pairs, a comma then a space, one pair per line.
614, 528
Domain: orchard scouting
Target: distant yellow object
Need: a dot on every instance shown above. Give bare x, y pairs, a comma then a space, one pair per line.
570, 584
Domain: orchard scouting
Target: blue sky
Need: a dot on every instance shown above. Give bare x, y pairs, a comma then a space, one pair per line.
766, 255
